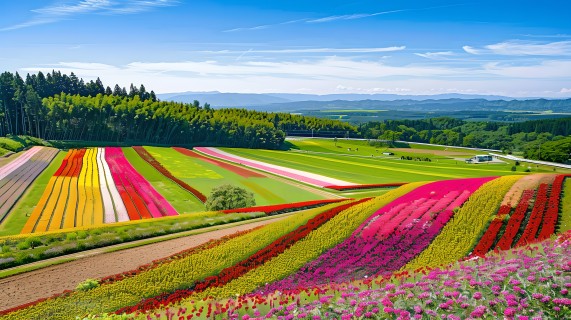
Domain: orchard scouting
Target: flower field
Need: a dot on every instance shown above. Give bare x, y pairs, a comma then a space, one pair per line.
95, 186
18, 175
405, 232
200, 173
530, 282
306, 177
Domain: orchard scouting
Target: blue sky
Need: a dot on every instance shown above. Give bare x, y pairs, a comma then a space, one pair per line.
515, 48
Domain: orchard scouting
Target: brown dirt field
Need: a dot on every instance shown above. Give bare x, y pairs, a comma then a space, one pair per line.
95, 264
426, 151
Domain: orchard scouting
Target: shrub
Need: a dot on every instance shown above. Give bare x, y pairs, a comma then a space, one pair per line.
87, 285
514, 168
34, 242
229, 197
82, 234
23, 245
71, 236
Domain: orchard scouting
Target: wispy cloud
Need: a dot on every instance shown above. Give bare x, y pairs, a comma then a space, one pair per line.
353, 16
312, 50
442, 55
58, 12
523, 48
265, 26
332, 18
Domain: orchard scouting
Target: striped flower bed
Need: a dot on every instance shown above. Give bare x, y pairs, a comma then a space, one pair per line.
159, 167
19, 174
95, 186
280, 208
366, 186
298, 175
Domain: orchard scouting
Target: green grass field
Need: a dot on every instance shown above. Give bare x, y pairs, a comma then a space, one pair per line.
182, 200
24, 207
323, 157
204, 176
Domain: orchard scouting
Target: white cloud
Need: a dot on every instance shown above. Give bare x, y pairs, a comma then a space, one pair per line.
313, 50
436, 55
352, 16
524, 48
58, 12
565, 90
471, 50
328, 75
545, 70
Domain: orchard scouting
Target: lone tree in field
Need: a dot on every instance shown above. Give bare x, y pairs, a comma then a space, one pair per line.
229, 197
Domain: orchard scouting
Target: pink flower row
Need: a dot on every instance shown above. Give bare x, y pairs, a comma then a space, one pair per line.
388, 239
306, 177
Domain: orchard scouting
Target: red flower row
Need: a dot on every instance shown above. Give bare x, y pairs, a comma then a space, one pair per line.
257, 259
536, 216
515, 221
279, 208
366, 186
552, 212
157, 165
489, 238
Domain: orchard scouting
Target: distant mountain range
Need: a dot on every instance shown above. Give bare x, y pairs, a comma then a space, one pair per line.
291, 102
220, 99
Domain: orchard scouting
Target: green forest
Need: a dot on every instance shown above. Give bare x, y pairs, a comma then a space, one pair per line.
61, 107
548, 140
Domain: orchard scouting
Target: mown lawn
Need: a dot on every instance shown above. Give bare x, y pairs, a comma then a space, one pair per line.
20, 213
205, 176
182, 200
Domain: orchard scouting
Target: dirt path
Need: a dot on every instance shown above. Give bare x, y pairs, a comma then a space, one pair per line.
30, 286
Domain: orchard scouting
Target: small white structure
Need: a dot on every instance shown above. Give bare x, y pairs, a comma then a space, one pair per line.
480, 158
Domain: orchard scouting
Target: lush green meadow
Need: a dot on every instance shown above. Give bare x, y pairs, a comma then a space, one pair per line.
24, 207
182, 200
204, 176
369, 165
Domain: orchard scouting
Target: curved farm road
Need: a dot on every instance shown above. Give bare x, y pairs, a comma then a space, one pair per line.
33, 285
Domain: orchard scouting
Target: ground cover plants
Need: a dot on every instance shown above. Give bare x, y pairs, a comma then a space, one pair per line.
21, 249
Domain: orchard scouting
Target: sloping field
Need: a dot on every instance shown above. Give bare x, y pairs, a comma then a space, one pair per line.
95, 186
419, 225
294, 174
18, 175
371, 170
204, 173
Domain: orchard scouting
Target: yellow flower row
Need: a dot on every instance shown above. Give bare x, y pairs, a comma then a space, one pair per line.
462, 232
179, 274
309, 248
565, 224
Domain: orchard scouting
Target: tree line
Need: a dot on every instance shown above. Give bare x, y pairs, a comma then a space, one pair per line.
548, 140
61, 107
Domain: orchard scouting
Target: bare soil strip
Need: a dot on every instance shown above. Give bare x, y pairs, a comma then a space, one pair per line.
95, 264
